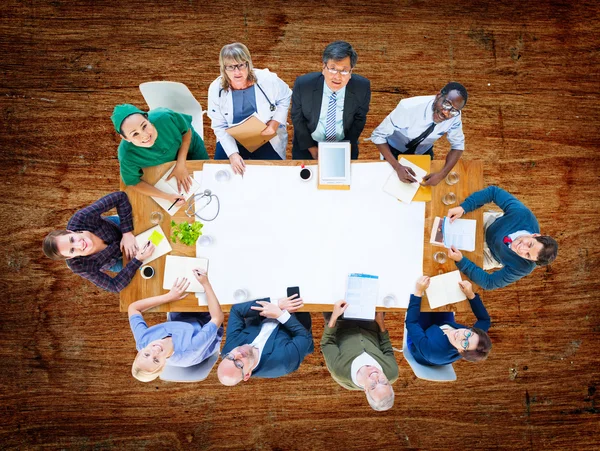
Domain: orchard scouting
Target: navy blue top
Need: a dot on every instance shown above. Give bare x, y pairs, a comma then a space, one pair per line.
516, 217
244, 103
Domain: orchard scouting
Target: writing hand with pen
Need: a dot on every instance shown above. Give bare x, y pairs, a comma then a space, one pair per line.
145, 252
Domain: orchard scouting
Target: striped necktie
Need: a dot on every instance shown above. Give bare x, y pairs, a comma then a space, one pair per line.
330, 134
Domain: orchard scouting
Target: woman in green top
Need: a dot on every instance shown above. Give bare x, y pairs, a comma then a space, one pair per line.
149, 139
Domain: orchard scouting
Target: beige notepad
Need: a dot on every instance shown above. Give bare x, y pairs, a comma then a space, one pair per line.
248, 132
444, 290
404, 192
157, 237
170, 187
177, 267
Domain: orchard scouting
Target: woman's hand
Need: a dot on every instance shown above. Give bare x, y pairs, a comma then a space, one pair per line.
291, 304
179, 201
422, 285
455, 254
201, 276
178, 289
145, 252
184, 179
128, 245
467, 289
455, 213
271, 128
237, 163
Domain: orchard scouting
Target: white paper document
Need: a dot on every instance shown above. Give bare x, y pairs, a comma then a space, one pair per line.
460, 233
157, 237
444, 289
170, 187
404, 191
177, 267
361, 296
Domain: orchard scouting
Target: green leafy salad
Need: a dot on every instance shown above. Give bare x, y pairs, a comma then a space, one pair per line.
185, 232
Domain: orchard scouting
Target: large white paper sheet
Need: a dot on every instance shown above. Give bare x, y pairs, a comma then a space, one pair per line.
276, 230
444, 289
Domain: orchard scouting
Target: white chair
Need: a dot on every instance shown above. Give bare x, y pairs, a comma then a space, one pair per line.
175, 96
440, 373
195, 373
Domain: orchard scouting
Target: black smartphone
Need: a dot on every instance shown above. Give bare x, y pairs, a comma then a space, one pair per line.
292, 291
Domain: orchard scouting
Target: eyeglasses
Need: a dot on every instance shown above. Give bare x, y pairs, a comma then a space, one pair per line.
380, 381
447, 105
465, 342
333, 71
236, 362
239, 67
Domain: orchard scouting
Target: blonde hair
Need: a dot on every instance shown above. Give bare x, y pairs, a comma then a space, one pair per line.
239, 53
143, 375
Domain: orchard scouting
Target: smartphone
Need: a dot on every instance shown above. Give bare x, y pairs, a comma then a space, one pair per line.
292, 291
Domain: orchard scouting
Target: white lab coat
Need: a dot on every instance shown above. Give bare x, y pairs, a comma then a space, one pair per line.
220, 109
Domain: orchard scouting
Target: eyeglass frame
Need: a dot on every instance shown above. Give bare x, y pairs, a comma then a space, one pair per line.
373, 385
466, 339
235, 361
332, 71
233, 67
448, 106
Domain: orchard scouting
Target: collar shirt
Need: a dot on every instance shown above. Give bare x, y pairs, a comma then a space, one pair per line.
359, 362
319, 133
266, 329
412, 117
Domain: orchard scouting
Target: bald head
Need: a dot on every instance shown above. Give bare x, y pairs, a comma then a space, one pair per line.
228, 374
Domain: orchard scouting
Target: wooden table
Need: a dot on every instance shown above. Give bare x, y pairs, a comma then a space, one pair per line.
471, 180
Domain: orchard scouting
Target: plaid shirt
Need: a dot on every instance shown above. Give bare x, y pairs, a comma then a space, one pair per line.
92, 267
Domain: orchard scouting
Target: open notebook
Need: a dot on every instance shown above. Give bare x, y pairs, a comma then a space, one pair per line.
404, 191
170, 187
157, 237
177, 267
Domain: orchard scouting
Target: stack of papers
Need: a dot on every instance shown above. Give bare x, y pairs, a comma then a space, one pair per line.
361, 296
460, 233
404, 191
444, 290
170, 187
157, 237
178, 267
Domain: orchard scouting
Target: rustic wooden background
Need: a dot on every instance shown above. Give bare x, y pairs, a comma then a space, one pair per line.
532, 71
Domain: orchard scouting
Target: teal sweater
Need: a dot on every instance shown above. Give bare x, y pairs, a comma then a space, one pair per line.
516, 217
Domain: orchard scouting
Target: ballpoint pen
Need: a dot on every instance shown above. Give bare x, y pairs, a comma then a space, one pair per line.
176, 200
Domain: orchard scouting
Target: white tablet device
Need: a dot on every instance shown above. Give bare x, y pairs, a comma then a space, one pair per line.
334, 163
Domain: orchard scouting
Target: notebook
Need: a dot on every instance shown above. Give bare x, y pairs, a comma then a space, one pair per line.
177, 267
170, 187
361, 295
444, 290
157, 237
460, 233
404, 192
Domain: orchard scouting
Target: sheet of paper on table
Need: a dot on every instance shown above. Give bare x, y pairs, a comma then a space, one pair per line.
177, 267
361, 296
404, 191
460, 233
444, 290
157, 237
275, 230
170, 187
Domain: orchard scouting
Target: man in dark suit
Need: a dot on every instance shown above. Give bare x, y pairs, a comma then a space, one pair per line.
265, 340
330, 105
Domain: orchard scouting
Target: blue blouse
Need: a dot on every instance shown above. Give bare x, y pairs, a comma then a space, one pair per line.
193, 342
244, 103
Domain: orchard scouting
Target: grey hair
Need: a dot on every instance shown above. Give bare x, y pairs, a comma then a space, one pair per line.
383, 404
339, 50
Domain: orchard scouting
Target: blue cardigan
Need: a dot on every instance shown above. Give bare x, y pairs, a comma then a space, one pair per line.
432, 347
516, 217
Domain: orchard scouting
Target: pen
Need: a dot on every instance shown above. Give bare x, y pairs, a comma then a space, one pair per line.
146, 246
176, 200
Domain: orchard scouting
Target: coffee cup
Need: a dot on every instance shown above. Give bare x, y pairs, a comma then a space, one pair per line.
147, 272
306, 174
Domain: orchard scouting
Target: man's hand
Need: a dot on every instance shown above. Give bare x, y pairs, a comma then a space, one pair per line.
271, 128
339, 308
291, 304
467, 289
128, 245
178, 289
237, 163
379, 321
405, 174
145, 252
314, 151
432, 179
201, 276
455, 254
422, 285
268, 310
455, 213
184, 180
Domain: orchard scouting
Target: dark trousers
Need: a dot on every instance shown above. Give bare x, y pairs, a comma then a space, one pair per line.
264, 152
396, 152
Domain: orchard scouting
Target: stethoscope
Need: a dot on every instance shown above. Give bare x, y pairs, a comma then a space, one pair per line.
272, 106
199, 202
